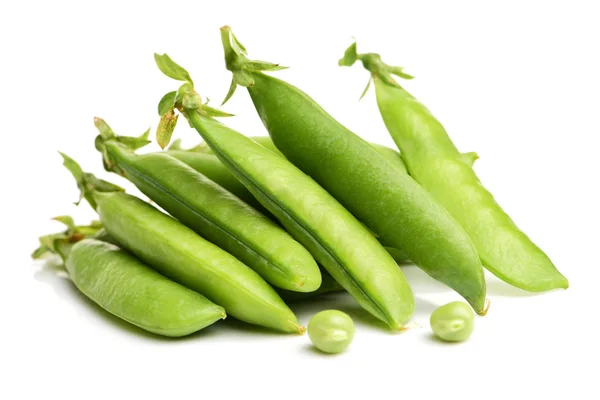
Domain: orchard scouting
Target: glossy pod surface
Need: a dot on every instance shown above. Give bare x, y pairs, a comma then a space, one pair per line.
125, 287
435, 163
391, 204
334, 237
220, 217
390, 154
210, 166
179, 253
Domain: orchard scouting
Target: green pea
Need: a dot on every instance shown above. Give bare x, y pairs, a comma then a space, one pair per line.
453, 322
390, 203
331, 331
434, 161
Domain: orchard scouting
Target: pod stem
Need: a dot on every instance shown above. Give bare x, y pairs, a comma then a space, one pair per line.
373, 63
183, 101
237, 62
60, 243
106, 134
87, 183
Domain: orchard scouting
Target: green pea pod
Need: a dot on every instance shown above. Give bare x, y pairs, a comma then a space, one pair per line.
210, 166
214, 213
339, 242
128, 289
328, 284
391, 204
434, 161
180, 254
392, 155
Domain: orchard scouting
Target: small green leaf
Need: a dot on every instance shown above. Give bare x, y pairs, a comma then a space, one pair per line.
237, 46
165, 129
263, 66
399, 72
166, 103
366, 89
99, 185
171, 69
387, 78
77, 173
135, 143
243, 78
213, 112
199, 148
66, 220
176, 145
105, 131
231, 91
350, 56
40, 252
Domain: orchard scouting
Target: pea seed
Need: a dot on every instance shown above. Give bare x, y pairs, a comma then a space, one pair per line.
331, 331
453, 322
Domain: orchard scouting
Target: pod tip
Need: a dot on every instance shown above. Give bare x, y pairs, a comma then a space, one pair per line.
486, 307
410, 325
299, 328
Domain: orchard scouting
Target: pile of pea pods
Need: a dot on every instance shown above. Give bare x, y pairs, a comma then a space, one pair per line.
255, 223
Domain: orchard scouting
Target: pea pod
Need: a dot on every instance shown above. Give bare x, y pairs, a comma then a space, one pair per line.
328, 284
180, 254
434, 161
338, 241
202, 159
212, 212
196, 157
392, 155
210, 166
127, 288
391, 204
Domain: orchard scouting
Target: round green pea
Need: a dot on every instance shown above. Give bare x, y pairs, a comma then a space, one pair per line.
331, 331
453, 322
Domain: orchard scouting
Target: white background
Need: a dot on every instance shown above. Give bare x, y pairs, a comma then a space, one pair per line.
518, 82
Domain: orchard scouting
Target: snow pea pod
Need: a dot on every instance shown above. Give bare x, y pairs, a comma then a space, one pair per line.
212, 212
391, 204
130, 290
180, 254
337, 240
435, 162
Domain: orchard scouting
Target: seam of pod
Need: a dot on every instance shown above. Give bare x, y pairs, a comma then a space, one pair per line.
301, 226
184, 204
